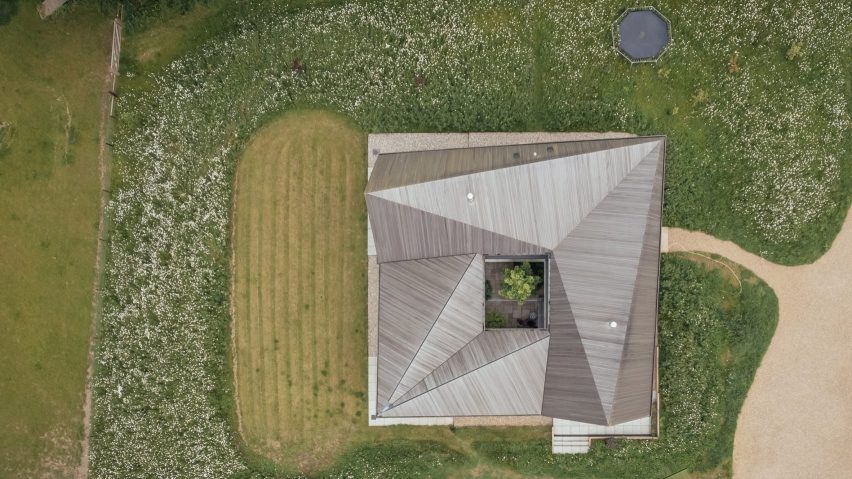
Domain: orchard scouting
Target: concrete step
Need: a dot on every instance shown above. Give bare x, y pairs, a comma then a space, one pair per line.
569, 444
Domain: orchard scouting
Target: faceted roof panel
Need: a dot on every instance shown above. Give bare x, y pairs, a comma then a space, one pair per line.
593, 207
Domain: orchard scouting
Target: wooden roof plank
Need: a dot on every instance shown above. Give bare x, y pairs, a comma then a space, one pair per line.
459, 322
411, 296
510, 386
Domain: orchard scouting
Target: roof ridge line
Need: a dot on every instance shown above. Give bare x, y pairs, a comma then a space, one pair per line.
470, 372
633, 303
453, 292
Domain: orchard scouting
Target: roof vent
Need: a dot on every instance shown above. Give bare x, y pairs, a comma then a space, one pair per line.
470, 197
516, 155
612, 324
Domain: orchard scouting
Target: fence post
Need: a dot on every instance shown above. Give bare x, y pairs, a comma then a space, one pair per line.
115, 56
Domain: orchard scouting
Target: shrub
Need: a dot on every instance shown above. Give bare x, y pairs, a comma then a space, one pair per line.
8, 8
493, 319
794, 51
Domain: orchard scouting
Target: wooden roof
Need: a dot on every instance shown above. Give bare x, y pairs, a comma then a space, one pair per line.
592, 206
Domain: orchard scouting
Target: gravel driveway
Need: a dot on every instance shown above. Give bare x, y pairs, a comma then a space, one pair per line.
797, 419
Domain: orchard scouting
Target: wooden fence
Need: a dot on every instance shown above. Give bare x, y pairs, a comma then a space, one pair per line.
115, 56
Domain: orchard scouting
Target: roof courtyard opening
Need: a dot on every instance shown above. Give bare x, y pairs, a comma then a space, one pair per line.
516, 292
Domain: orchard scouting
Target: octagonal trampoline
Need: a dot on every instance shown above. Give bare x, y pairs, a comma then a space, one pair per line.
641, 34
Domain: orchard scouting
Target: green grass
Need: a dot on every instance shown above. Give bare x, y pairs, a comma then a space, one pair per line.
299, 239
760, 156
51, 80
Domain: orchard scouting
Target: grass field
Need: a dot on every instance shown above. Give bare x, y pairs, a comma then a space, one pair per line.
51, 80
299, 265
758, 154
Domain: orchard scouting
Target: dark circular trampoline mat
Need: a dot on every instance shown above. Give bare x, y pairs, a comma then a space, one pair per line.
642, 34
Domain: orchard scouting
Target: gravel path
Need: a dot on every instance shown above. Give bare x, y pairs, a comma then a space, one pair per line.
797, 419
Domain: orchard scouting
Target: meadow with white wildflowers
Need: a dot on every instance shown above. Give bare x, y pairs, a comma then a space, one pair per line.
758, 152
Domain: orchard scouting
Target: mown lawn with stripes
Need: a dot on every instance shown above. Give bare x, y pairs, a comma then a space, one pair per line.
299, 300
299, 287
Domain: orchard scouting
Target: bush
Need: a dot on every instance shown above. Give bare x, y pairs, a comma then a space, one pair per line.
794, 51
493, 319
8, 8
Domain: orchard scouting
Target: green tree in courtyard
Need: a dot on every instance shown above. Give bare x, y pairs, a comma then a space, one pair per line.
519, 282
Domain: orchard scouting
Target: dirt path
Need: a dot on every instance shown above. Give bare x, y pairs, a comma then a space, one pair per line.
797, 419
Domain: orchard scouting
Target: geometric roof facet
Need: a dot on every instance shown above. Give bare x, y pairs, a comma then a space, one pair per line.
411, 296
592, 207
458, 323
600, 263
510, 386
561, 191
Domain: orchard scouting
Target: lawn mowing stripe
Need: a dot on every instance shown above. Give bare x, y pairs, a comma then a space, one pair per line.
258, 311
333, 310
272, 267
315, 376
320, 253
294, 331
348, 268
267, 286
257, 297
357, 252
273, 293
280, 292
258, 232
248, 399
288, 316
304, 334
329, 311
